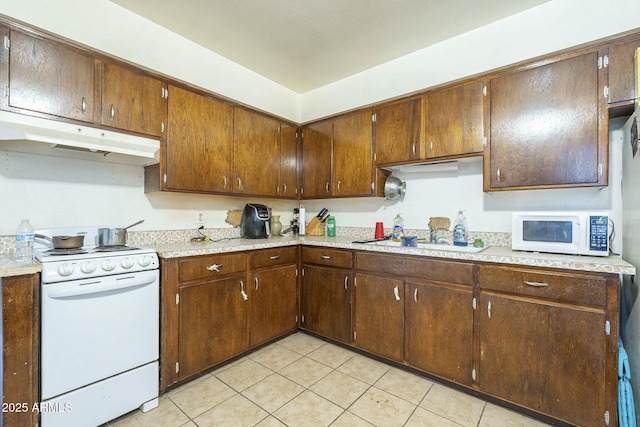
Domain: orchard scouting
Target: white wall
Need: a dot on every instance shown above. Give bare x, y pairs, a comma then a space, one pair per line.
56, 191
550, 27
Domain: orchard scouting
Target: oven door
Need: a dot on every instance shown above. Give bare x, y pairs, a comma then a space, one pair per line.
95, 328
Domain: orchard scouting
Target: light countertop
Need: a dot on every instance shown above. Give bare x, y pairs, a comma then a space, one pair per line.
494, 254
9, 266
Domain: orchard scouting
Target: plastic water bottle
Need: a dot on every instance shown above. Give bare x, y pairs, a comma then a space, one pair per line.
24, 243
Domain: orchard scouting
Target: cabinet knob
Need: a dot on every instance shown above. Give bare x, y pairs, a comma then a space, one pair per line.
239, 183
536, 284
275, 257
112, 114
396, 293
346, 282
215, 267
256, 282
284, 188
224, 180
242, 292
326, 187
338, 186
325, 256
498, 177
84, 104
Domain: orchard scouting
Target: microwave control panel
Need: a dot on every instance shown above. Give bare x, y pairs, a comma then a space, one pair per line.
599, 233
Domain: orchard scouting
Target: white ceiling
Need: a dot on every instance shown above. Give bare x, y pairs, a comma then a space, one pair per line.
305, 44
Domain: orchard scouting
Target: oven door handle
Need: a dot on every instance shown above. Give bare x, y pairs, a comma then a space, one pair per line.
100, 286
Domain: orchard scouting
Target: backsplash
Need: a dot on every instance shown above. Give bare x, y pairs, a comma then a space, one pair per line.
151, 238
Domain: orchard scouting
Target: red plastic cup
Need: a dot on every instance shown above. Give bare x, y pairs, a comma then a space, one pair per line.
379, 231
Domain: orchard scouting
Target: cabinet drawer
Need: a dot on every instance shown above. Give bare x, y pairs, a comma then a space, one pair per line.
324, 256
208, 266
558, 286
271, 257
423, 268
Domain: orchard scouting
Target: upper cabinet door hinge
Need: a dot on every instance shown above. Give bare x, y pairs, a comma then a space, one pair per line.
606, 91
177, 299
484, 90
473, 303
607, 328
599, 169
165, 93
374, 117
7, 42
177, 367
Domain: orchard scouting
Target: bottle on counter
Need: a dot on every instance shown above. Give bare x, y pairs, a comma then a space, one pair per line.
25, 239
460, 230
398, 228
331, 226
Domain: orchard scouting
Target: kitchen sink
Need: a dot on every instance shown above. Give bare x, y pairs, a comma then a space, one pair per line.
431, 246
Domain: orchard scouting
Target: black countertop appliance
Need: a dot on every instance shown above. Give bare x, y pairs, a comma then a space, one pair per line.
255, 221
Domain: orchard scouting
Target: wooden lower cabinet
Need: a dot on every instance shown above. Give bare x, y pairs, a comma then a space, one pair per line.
216, 307
548, 342
274, 303
326, 301
21, 349
439, 329
214, 324
379, 315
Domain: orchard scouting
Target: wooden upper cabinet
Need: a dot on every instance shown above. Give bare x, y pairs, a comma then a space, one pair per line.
454, 120
316, 160
256, 156
288, 183
397, 132
199, 148
132, 100
353, 173
548, 128
621, 66
51, 78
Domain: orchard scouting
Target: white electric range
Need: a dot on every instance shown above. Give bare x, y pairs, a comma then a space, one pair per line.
99, 330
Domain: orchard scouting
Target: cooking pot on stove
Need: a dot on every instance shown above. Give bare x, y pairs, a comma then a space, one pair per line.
114, 236
64, 242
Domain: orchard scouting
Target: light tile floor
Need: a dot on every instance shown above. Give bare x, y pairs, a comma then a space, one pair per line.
304, 381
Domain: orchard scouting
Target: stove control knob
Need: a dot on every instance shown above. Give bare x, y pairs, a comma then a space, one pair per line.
88, 267
108, 265
144, 260
65, 269
126, 263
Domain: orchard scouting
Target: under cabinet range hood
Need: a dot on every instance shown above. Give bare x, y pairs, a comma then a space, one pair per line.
19, 127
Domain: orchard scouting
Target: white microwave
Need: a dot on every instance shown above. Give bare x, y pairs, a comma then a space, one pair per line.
574, 233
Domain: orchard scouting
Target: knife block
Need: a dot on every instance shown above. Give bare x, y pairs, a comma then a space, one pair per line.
315, 227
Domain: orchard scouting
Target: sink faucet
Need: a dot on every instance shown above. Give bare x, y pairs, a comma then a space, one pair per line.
433, 234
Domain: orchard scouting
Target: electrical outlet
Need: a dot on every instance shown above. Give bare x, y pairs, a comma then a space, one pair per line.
199, 217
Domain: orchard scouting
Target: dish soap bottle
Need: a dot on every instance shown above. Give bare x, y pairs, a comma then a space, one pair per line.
460, 230
398, 228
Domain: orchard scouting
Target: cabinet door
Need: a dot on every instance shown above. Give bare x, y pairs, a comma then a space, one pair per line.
326, 302
544, 127
550, 358
316, 160
256, 155
398, 132
199, 143
288, 186
622, 86
273, 303
51, 78
132, 100
353, 155
214, 324
379, 316
439, 329
454, 120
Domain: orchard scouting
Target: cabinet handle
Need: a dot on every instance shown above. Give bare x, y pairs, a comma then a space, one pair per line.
326, 187
431, 146
242, 292
415, 295
161, 127
536, 284
396, 293
84, 104
256, 282
284, 188
498, 175
346, 281
239, 183
275, 257
413, 148
338, 186
325, 256
113, 112
214, 267
224, 180
489, 310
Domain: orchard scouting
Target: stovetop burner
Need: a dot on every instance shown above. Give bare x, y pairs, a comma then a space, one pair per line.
118, 248
63, 252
